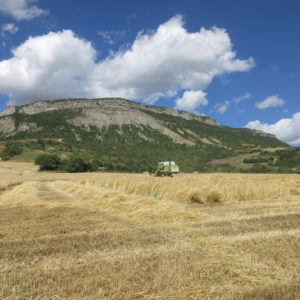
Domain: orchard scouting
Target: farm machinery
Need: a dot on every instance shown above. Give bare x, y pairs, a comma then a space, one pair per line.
166, 168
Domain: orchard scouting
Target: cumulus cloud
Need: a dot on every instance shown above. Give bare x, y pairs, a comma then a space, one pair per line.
271, 101
170, 59
21, 9
191, 100
287, 130
158, 64
48, 67
222, 107
10, 28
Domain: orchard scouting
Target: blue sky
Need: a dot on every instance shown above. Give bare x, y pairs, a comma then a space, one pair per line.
236, 61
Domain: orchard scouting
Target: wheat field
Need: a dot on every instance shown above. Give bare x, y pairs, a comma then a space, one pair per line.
133, 236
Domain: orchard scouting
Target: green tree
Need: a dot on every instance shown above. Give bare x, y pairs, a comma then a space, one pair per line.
10, 150
48, 162
80, 162
41, 144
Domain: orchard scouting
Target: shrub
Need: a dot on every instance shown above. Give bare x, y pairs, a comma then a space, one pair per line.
5, 156
249, 160
48, 162
41, 144
80, 162
10, 150
96, 164
257, 168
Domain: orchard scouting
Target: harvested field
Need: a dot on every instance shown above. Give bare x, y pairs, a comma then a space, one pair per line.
236, 160
122, 236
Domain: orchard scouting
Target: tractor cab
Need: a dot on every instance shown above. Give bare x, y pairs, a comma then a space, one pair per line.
166, 168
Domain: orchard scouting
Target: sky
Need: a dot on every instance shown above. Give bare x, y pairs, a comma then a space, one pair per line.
235, 61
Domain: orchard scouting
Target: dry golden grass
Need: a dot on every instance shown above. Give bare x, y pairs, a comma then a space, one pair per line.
121, 236
6, 185
181, 188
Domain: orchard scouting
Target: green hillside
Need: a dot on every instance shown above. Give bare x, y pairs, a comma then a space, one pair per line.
192, 143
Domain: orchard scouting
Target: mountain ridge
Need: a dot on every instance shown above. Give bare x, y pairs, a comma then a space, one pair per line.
42, 106
118, 130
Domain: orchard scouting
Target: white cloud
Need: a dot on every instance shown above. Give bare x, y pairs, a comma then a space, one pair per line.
271, 101
157, 65
287, 130
222, 107
10, 28
21, 9
48, 67
191, 100
242, 98
170, 58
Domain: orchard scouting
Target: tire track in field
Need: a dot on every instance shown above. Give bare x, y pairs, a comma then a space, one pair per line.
49, 192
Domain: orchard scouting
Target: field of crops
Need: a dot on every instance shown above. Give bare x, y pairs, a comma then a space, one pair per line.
125, 236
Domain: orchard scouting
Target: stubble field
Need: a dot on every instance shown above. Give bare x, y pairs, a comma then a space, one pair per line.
125, 236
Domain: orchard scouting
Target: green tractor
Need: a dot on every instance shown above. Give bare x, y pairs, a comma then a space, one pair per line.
166, 168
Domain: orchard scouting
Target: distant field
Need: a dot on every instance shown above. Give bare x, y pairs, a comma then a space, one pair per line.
126, 236
236, 161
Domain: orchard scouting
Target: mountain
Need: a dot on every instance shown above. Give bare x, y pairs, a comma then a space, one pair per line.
126, 134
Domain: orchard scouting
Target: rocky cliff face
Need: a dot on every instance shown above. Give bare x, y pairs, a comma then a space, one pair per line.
101, 113
7, 124
8, 111
106, 111
261, 133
